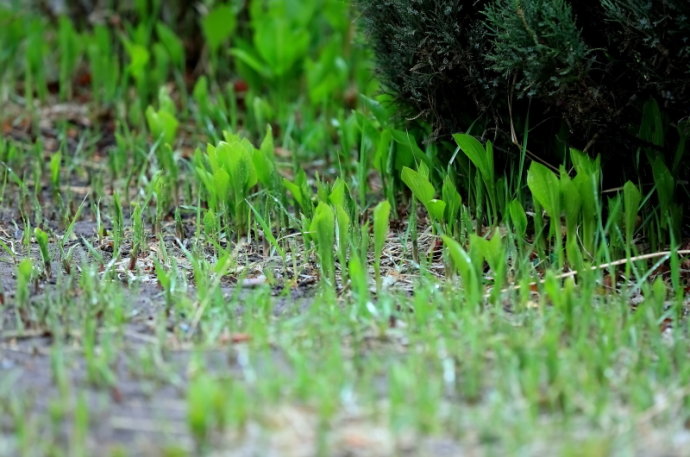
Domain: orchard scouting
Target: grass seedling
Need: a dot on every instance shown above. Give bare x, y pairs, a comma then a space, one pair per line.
137, 68
218, 26
339, 199
69, 43
572, 209
383, 163
18, 412
493, 251
363, 159
631, 205
381, 223
163, 123
42, 240
35, 72
104, 70
280, 42
483, 159
58, 371
587, 181
160, 190
79, 438
174, 48
322, 231
228, 172
118, 224
302, 194
665, 185
360, 284
168, 282
25, 270
267, 232
546, 191
55, 167
139, 236
201, 394
96, 355
453, 200
518, 221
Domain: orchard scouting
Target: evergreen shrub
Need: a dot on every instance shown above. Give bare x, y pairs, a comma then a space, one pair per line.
608, 76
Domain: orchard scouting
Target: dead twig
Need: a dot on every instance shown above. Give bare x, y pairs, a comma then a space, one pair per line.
603, 266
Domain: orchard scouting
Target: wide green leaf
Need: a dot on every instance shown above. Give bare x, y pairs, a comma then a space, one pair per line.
545, 188
631, 206
478, 155
518, 217
420, 186
218, 25
462, 263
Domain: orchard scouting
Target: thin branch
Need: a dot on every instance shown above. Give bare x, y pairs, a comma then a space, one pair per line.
604, 266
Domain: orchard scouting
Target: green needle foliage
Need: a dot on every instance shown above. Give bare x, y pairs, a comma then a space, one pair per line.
539, 42
579, 71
